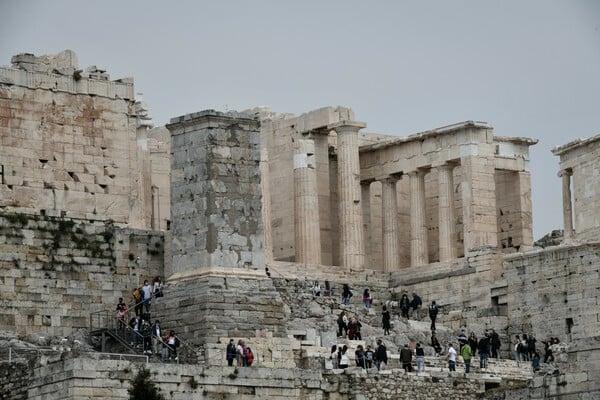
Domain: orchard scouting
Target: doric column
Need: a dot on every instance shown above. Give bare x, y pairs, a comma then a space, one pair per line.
266, 202
350, 211
365, 195
418, 224
306, 218
324, 192
567, 204
446, 213
389, 223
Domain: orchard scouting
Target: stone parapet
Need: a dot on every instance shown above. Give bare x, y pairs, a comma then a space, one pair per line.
70, 84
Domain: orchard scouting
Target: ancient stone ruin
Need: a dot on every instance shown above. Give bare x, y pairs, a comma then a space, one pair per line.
241, 212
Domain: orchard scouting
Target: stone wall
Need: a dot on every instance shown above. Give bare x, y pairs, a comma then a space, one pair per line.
554, 292
207, 308
82, 267
70, 143
109, 380
14, 380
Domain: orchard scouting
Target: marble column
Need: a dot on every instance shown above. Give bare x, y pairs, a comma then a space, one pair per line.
349, 195
389, 223
266, 202
321, 138
446, 213
418, 223
306, 217
365, 195
567, 203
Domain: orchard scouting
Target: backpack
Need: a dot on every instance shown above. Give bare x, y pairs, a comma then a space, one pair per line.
520, 348
137, 295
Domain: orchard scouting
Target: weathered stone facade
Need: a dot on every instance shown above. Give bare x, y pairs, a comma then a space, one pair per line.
46, 262
218, 196
73, 143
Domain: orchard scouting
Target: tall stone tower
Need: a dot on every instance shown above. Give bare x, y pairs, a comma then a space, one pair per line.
216, 196
218, 287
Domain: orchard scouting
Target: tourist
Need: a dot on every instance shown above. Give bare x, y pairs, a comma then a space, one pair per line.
433, 312
435, 343
147, 295
420, 356
137, 301
369, 356
466, 354
230, 352
385, 321
316, 289
122, 313
333, 356
404, 305
380, 358
172, 342
367, 299
531, 341
156, 336
146, 332
344, 361
416, 304
346, 294
451, 356
157, 287
523, 349
484, 350
359, 356
462, 339
406, 358
354, 327
548, 356
516, 349
473, 342
495, 343
135, 325
342, 322
249, 357
239, 352
535, 361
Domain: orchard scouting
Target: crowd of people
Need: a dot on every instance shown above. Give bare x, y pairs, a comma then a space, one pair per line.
145, 335
486, 347
240, 353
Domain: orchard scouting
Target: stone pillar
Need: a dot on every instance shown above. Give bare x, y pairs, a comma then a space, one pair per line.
365, 191
216, 199
525, 209
446, 213
418, 224
389, 223
567, 203
306, 220
266, 202
321, 139
350, 211
478, 191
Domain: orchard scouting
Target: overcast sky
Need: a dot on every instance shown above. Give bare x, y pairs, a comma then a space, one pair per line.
528, 68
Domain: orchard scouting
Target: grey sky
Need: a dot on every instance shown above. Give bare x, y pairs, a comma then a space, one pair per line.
529, 68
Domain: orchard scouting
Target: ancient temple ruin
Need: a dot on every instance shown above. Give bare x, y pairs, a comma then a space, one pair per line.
240, 211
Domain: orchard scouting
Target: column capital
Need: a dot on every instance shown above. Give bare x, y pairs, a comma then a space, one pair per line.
446, 165
419, 171
393, 178
565, 172
312, 133
346, 125
367, 182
